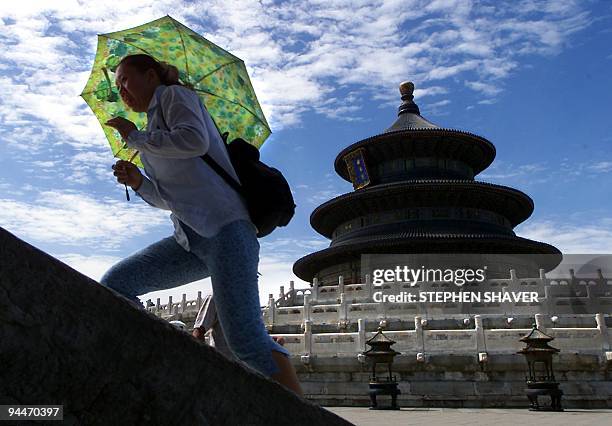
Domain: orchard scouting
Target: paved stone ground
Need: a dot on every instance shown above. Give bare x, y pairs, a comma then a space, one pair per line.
361, 416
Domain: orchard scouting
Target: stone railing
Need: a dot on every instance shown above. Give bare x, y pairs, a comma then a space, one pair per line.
364, 291
497, 331
185, 306
174, 308
475, 340
329, 304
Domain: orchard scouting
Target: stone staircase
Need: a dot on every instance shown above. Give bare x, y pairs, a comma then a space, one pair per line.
67, 340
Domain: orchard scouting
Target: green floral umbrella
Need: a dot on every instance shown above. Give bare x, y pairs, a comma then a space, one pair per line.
219, 78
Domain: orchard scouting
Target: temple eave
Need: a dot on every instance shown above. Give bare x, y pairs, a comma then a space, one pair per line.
449, 143
307, 267
508, 202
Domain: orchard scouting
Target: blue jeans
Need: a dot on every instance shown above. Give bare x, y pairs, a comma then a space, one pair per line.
230, 259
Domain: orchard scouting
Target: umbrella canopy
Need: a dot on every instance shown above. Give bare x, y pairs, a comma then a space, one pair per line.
219, 78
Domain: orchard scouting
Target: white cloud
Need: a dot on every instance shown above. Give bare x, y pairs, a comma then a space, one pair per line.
593, 237
71, 218
299, 53
486, 88
93, 266
502, 171
543, 172
323, 195
602, 167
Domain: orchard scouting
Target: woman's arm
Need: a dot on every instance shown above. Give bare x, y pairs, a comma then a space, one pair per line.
187, 137
149, 194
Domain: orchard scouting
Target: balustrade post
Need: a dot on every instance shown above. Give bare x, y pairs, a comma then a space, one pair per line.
362, 334
307, 337
513, 275
603, 331
420, 339
306, 313
539, 319
271, 310
199, 301
292, 292
481, 345
342, 312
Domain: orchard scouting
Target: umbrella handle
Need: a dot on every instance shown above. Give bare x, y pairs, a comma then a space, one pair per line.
127, 194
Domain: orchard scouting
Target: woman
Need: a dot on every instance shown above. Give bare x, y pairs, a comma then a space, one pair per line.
213, 236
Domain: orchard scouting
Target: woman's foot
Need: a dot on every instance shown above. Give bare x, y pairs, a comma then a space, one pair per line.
287, 375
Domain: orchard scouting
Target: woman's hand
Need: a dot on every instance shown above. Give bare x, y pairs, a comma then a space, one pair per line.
124, 126
128, 173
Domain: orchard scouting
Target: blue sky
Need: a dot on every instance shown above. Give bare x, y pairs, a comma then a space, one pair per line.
533, 77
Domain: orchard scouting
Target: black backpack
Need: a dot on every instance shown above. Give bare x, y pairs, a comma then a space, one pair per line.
264, 188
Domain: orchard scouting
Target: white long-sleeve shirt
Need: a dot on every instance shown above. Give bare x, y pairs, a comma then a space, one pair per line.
178, 179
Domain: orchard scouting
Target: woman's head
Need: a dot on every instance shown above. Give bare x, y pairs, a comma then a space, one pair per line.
137, 77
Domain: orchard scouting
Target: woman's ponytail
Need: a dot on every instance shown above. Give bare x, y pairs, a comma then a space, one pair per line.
169, 74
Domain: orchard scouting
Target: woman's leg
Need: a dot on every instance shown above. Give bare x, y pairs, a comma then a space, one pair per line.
232, 257
162, 265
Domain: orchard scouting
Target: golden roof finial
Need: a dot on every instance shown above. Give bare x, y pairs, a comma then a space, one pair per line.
406, 88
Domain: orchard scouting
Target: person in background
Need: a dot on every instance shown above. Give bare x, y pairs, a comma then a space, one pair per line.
207, 323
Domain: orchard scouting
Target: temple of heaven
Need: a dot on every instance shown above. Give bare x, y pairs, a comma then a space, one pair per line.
415, 193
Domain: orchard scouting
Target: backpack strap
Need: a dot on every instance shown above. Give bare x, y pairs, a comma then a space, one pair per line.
206, 157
